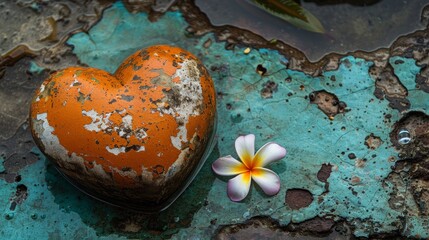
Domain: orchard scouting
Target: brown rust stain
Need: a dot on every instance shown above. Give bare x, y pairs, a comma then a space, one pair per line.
298, 198
410, 176
267, 228
324, 173
373, 142
268, 89
328, 103
388, 85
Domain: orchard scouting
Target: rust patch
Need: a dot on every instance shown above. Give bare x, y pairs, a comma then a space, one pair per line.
410, 176
261, 70
373, 142
267, 228
19, 197
355, 180
298, 198
360, 163
268, 89
315, 225
49, 88
422, 80
328, 103
387, 85
82, 98
207, 43
127, 98
416, 45
138, 6
324, 173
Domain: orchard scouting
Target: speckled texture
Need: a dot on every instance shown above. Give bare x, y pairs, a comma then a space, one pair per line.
276, 106
135, 138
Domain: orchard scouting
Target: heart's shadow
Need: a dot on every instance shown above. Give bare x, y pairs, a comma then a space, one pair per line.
106, 219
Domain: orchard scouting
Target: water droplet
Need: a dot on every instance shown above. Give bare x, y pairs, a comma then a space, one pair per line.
404, 136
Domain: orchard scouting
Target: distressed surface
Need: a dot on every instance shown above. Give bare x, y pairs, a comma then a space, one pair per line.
359, 188
43, 24
35, 28
63, 212
133, 138
344, 22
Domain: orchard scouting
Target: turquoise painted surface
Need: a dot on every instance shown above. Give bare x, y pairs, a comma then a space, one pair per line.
287, 118
35, 69
42, 215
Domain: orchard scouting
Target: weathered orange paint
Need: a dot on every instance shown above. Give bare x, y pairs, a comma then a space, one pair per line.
76, 99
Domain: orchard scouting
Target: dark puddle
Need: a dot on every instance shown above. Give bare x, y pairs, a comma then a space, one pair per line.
366, 27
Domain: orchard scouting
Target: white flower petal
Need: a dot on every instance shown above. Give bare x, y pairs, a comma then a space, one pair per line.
268, 153
245, 147
228, 166
238, 187
268, 180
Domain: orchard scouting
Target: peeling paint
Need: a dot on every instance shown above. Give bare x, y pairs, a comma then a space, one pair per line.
99, 122
361, 192
286, 116
176, 120
115, 151
54, 148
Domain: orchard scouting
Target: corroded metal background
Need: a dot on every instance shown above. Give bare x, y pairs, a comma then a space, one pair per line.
345, 175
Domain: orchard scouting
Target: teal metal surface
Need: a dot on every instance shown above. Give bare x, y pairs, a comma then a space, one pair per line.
275, 106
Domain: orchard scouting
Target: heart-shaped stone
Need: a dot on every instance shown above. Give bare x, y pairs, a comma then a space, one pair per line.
135, 138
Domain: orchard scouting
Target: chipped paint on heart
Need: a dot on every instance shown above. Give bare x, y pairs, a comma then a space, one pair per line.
146, 125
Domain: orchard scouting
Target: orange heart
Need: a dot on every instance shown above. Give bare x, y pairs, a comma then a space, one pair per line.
134, 138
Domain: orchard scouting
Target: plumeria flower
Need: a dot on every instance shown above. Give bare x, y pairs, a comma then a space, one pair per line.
250, 168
